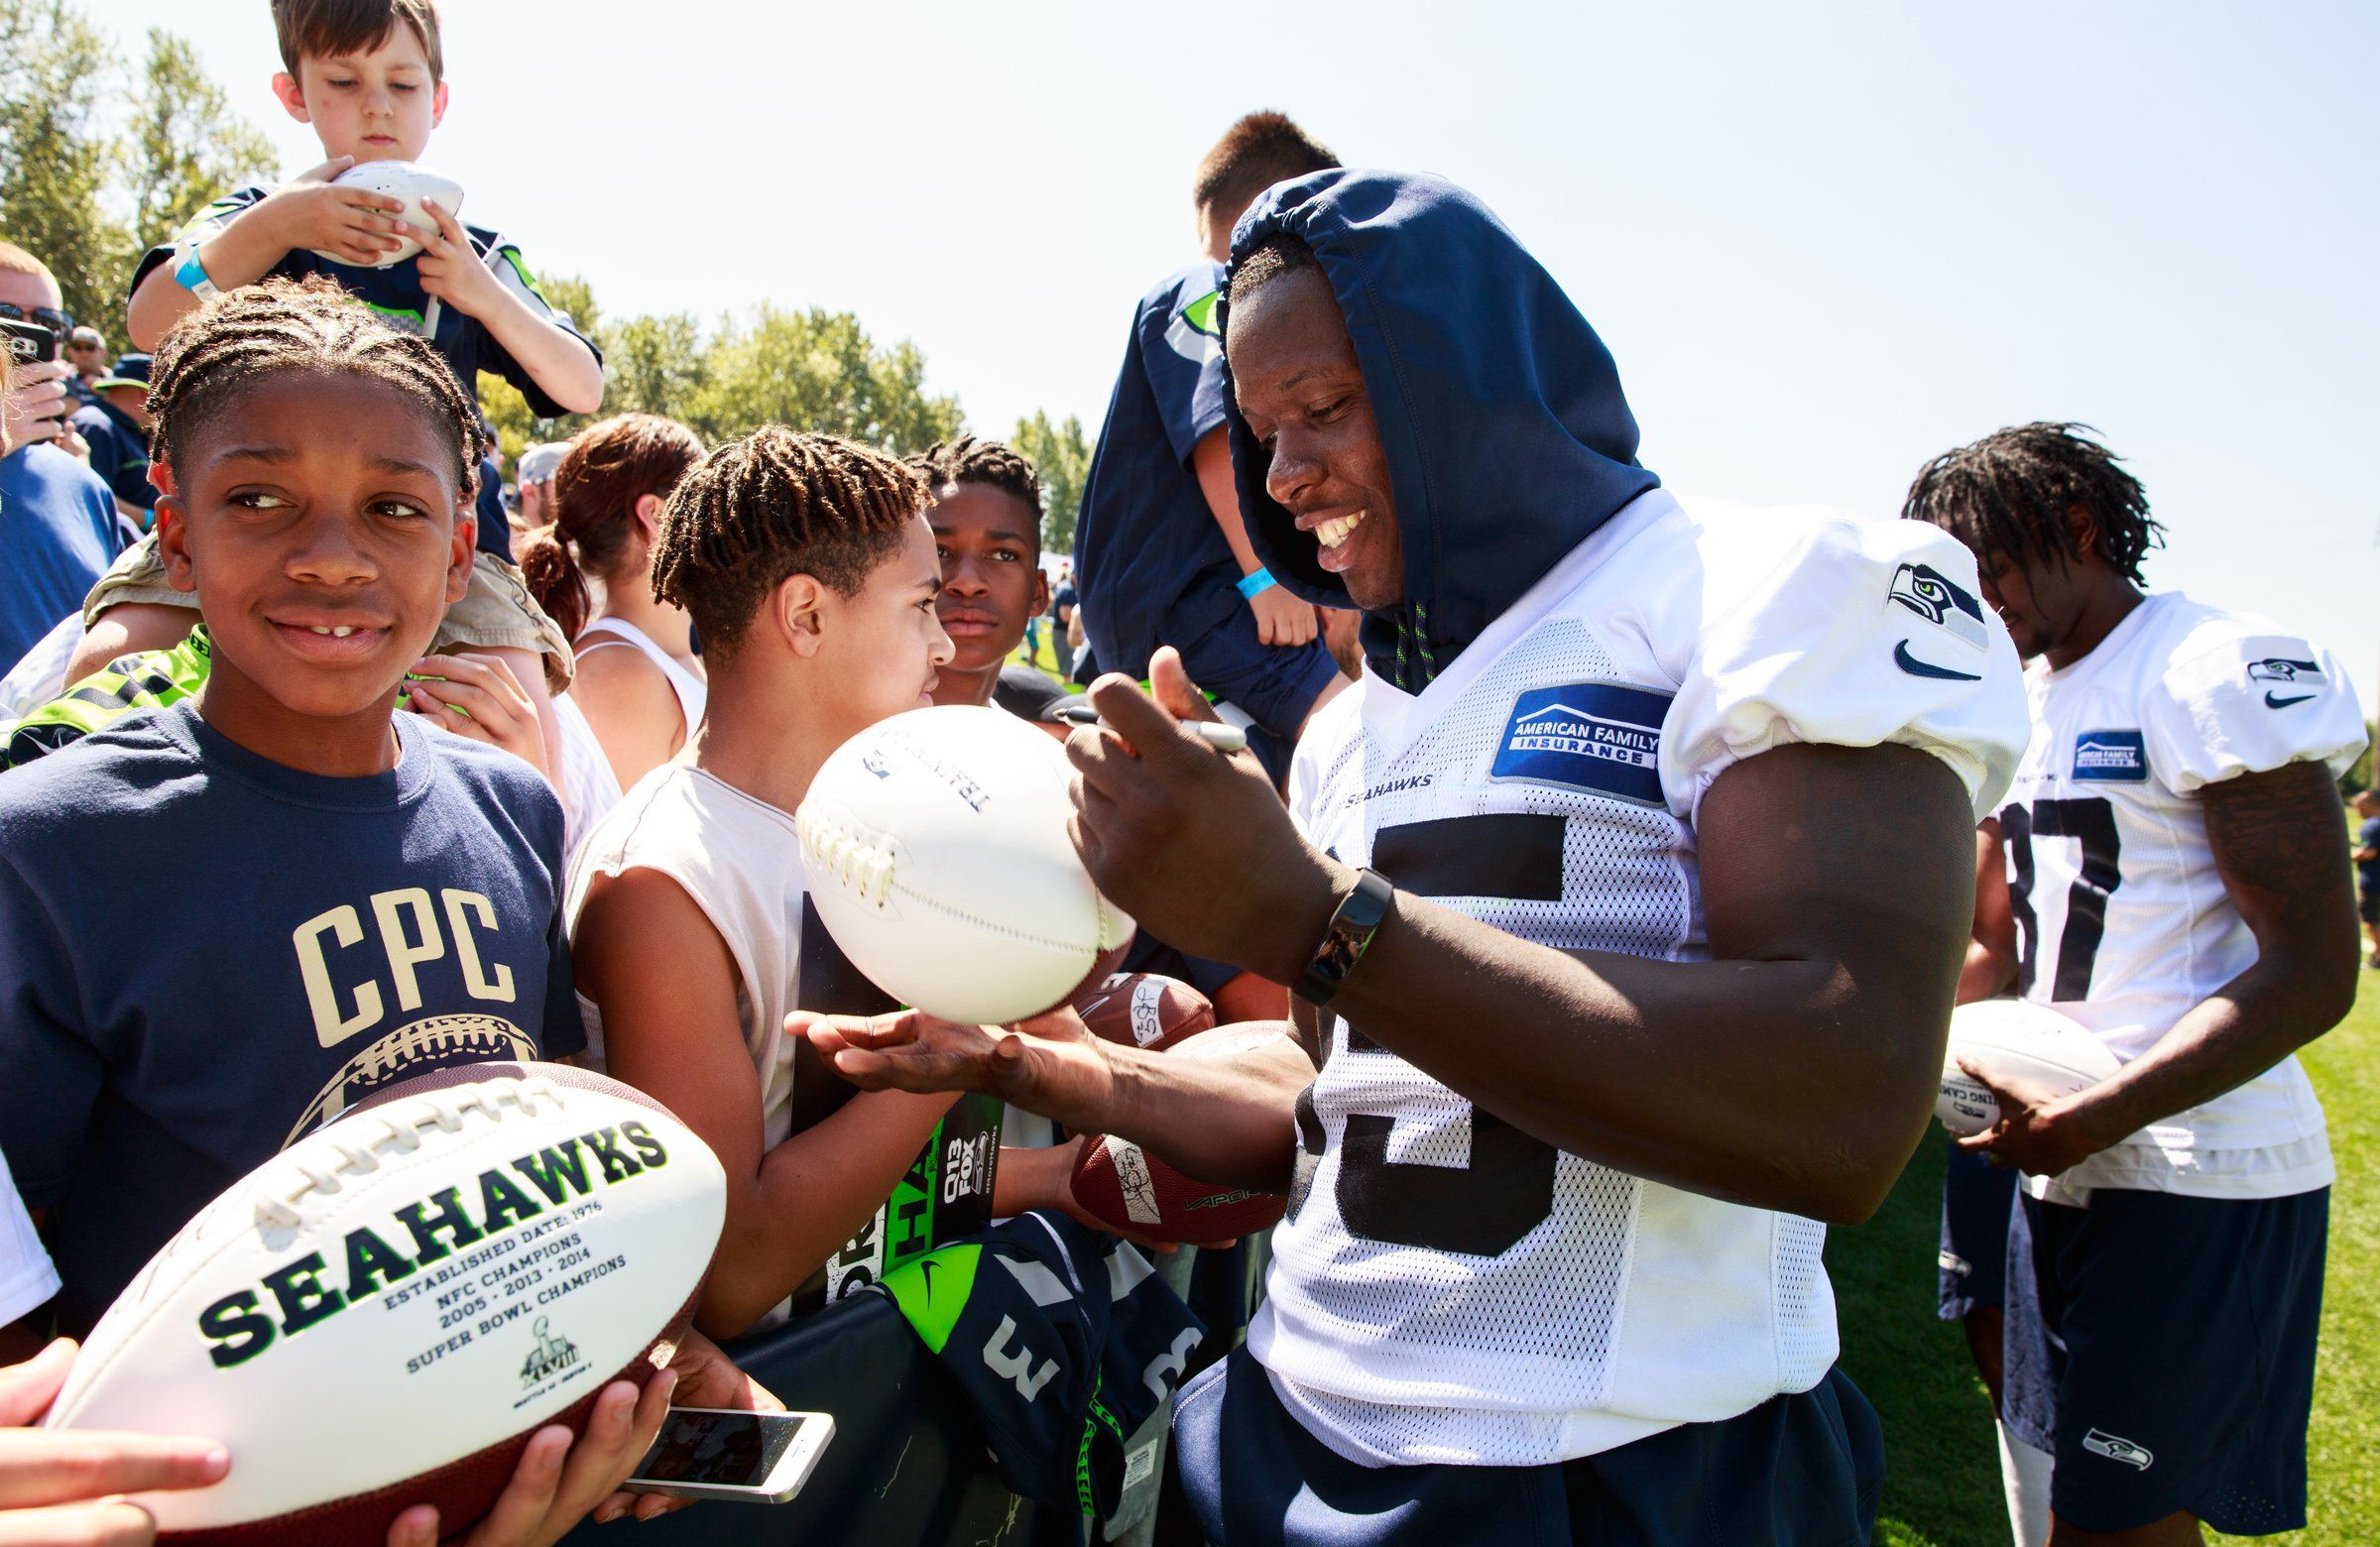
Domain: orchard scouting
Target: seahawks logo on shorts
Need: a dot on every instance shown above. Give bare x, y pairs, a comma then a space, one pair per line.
1924, 591
2115, 1448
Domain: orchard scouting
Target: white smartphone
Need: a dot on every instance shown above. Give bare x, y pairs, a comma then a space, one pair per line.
721, 1453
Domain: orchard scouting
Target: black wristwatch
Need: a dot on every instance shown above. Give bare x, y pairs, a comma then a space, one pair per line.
1347, 937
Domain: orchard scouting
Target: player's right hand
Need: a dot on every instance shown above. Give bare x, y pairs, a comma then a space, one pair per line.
1282, 618
38, 406
354, 225
1051, 1056
57, 1487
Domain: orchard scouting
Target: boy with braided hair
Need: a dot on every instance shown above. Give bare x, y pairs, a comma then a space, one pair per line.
808, 569
358, 896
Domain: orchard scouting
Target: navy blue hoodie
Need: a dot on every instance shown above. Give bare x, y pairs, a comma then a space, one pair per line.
1507, 438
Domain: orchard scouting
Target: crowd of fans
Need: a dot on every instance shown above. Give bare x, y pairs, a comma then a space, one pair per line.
236, 544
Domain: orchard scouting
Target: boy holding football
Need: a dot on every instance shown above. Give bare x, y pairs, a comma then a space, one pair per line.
368, 76
1615, 991
809, 571
2171, 877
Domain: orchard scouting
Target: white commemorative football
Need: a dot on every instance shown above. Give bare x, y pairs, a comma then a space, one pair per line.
937, 855
410, 183
382, 1314
2030, 1041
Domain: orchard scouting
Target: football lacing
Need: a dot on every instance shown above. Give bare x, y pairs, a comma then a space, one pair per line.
445, 1110
859, 865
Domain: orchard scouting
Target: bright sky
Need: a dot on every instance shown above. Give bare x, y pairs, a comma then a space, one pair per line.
1824, 242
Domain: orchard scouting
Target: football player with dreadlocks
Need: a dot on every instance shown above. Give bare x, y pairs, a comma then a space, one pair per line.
2174, 880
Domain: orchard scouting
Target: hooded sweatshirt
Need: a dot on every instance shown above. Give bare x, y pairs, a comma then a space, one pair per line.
1507, 435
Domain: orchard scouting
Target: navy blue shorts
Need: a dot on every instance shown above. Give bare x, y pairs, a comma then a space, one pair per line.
1273, 685
1976, 1199
1800, 1471
2178, 1334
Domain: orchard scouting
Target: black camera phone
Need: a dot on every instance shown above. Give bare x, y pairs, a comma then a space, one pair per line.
29, 343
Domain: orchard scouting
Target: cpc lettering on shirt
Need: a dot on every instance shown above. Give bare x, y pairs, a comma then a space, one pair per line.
1941, 601
2111, 757
1593, 736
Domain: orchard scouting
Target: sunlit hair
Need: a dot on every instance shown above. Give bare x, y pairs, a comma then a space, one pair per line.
241, 338
609, 468
1255, 152
2008, 497
991, 463
331, 29
770, 505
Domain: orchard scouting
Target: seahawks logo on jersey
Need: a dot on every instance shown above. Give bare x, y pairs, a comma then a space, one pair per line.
1926, 592
2281, 669
1193, 334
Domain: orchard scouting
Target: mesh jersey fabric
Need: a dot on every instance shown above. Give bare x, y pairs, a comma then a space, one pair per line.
1447, 1289
2123, 923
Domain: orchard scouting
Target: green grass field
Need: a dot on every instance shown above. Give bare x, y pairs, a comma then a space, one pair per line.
1943, 1485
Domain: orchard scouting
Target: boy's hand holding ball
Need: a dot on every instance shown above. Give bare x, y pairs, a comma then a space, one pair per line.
348, 224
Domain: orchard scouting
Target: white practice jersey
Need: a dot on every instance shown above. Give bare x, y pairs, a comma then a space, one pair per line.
2122, 921
1447, 1289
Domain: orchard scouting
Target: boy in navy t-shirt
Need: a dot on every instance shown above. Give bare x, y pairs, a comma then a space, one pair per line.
1161, 555
225, 921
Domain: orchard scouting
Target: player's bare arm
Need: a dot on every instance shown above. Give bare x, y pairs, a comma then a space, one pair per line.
649, 956
1990, 964
1226, 1121
1838, 942
2272, 837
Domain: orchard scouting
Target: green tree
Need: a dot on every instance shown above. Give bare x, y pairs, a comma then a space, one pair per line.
1062, 457
655, 365
818, 369
185, 147
54, 159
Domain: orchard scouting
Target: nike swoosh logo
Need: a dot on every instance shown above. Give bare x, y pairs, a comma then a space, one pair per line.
2270, 702
1916, 668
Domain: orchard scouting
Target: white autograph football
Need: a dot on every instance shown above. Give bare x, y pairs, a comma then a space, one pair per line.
937, 854
403, 181
382, 1314
2031, 1041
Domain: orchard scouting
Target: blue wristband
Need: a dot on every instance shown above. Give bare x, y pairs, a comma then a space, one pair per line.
193, 276
1260, 581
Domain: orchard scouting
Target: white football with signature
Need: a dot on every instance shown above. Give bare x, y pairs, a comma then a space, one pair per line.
936, 847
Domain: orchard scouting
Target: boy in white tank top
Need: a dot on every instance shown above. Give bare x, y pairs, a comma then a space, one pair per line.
811, 576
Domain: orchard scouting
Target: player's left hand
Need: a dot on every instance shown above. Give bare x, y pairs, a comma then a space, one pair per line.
557, 1479
451, 271
478, 696
706, 1377
910, 1051
2039, 1133
1194, 844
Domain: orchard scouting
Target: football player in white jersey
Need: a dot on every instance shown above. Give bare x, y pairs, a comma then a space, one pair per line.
1624, 895
2176, 883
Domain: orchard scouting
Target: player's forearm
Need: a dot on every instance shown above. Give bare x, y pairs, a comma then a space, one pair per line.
1230, 1121
557, 359
2286, 1000
1789, 1084
813, 1193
